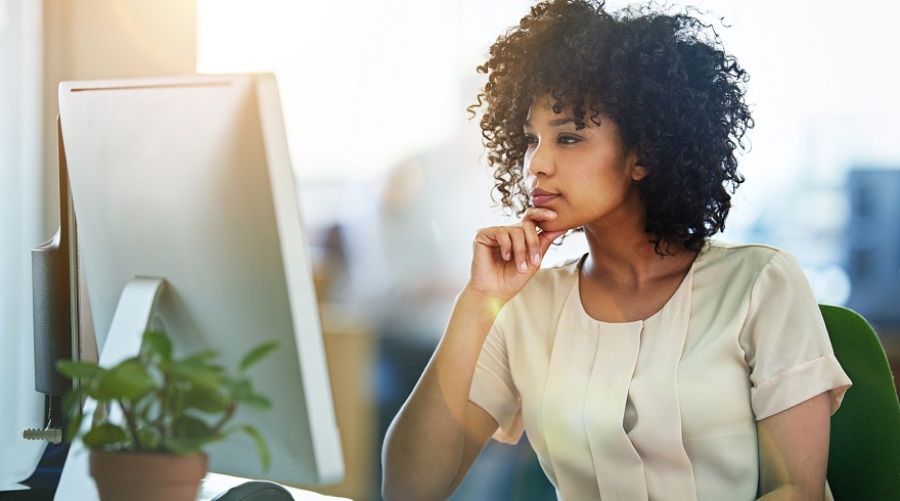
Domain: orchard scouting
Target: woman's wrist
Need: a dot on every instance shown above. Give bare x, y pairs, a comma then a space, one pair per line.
479, 302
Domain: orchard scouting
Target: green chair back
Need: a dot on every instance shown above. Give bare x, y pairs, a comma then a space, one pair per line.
864, 452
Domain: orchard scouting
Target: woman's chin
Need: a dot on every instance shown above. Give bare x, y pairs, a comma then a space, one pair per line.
552, 226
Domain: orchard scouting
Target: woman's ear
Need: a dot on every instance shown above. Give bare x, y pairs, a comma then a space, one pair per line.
638, 172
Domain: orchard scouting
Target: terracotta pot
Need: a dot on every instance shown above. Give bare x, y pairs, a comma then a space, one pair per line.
147, 476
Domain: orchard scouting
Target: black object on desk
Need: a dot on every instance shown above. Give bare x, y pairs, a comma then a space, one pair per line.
256, 490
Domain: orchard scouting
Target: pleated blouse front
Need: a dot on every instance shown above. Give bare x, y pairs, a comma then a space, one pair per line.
663, 408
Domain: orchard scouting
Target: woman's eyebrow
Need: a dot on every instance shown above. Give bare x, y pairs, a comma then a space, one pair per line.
561, 121
557, 122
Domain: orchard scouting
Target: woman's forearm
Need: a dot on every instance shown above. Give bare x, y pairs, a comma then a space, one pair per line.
425, 442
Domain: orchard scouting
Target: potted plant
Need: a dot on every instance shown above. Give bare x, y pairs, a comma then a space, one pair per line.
154, 414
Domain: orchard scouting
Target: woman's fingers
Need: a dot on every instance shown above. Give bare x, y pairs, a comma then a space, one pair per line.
511, 243
521, 246
524, 242
506, 257
539, 241
529, 242
547, 237
532, 252
504, 242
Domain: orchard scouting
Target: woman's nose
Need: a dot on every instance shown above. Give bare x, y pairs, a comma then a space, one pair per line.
539, 161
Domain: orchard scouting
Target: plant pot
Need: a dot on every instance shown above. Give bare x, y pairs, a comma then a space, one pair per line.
147, 476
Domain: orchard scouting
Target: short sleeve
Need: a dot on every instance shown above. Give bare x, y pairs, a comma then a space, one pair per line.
786, 343
493, 389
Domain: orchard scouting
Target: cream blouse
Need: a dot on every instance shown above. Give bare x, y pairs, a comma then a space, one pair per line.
663, 408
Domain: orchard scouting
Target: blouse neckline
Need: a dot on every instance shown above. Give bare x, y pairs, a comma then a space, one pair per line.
576, 292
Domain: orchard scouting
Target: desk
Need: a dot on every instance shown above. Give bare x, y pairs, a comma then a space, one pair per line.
77, 485
214, 484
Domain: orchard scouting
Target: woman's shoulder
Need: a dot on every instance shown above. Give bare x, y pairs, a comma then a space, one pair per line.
747, 260
744, 255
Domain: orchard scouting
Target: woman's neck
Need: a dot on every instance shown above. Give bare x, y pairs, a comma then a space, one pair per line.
629, 259
624, 279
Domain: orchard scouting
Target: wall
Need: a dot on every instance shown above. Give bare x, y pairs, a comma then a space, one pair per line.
99, 39
20, 187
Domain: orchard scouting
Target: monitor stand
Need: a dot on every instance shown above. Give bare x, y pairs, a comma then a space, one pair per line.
131, 319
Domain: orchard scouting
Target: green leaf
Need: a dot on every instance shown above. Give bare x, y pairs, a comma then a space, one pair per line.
260, 443
73, 412
157, 343
73, 426
239, 388
206, 399
189, 434
126, 381
257, 354
187, 426
256, 401
201, 357
74, 369
190, 444
165, 399
72, 401
209, 376
105, 435
144, 406
149, 439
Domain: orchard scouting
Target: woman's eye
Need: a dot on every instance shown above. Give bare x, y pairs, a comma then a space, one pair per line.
531, 140
568, 139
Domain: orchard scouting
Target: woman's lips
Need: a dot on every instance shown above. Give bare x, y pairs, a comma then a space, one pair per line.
540, 197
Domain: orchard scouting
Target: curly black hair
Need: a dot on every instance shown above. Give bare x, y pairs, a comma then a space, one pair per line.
664, 79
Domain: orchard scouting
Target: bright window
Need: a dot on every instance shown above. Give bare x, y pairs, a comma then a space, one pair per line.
363, 83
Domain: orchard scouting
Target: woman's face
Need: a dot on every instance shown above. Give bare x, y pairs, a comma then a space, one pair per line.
583, 175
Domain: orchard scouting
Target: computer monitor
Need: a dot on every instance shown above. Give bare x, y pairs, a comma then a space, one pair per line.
188, 220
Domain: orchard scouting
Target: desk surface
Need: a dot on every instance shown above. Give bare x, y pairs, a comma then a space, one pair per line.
214, 484
77, 485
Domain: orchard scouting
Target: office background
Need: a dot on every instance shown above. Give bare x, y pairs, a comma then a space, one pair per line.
389, 166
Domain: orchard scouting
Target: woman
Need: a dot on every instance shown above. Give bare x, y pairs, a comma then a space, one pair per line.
660, 365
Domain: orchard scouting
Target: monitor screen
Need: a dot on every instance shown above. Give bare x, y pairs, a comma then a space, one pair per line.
187, 182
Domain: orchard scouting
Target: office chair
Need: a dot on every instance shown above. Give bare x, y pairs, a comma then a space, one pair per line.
864, 452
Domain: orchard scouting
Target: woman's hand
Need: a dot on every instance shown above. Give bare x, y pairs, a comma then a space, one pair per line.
506, 257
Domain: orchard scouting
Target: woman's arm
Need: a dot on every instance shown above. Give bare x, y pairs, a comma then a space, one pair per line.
438, 432
438, 427
793, 451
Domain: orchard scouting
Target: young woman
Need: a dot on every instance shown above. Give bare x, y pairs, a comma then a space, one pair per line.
660, 365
